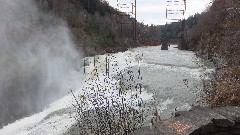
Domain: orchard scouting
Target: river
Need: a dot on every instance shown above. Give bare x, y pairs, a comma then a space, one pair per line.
172, 79
174, 76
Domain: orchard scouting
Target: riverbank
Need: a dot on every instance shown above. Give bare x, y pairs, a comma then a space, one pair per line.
198, 121
219, 43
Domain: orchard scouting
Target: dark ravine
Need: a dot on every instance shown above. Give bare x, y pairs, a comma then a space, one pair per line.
198, 121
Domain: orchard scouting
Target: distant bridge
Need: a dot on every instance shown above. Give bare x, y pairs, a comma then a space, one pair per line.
175, 12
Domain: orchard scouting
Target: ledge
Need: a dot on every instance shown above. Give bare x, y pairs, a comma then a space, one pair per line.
198, 121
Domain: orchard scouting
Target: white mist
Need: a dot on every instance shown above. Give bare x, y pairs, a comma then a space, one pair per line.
38, 61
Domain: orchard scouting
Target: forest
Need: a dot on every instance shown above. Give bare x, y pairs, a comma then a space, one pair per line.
215, 36
95, 25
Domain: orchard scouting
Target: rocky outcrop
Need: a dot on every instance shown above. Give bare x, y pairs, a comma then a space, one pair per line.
198, 121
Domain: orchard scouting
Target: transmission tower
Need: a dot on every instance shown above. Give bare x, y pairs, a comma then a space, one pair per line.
127, 10
175, 13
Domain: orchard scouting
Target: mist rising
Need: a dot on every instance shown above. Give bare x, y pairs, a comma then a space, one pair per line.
38, 61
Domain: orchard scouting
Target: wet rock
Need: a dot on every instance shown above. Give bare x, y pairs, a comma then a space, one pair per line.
198, 121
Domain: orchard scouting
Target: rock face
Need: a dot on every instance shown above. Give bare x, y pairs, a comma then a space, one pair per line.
198, 121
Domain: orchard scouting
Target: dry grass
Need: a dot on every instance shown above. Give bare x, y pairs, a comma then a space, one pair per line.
224, 88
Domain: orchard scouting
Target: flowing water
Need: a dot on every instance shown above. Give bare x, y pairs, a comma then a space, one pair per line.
172, 78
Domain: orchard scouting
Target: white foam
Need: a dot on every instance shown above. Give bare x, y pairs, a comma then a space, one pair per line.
172, 60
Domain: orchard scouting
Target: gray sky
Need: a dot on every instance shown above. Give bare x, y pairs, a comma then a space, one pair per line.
154, 11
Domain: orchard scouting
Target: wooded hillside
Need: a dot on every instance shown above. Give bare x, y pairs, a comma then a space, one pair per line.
216, 37
96, 26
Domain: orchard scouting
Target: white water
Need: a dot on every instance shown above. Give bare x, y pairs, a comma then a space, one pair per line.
173, 76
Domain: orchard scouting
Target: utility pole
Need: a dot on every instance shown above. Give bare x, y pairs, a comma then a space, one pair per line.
135, 25
88, 5
127, 8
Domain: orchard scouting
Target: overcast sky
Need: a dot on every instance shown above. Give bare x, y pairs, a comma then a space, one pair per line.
154, 11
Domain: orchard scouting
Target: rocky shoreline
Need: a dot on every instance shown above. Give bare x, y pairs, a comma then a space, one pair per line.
198, 121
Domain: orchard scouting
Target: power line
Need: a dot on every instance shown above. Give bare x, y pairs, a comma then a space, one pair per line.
127, 8
175, 12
